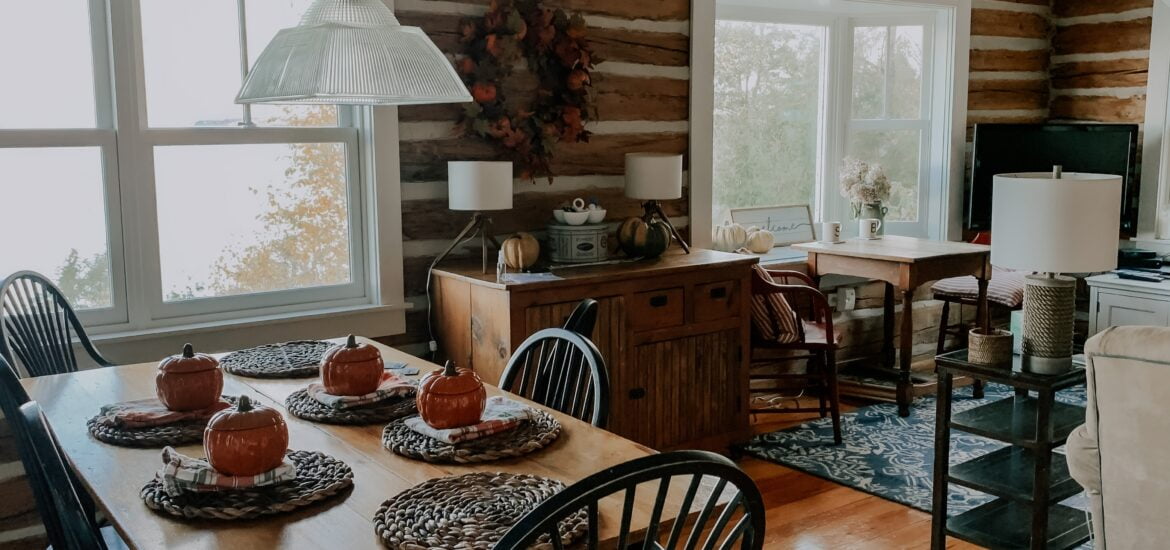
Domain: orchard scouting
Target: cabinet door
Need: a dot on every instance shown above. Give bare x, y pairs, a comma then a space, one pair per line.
682, 390
1120, 310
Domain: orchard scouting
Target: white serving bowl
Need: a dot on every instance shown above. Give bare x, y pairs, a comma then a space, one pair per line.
576, 218
596, 216
559, 215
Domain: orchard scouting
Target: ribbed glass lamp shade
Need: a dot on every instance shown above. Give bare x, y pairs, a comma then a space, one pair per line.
352, 52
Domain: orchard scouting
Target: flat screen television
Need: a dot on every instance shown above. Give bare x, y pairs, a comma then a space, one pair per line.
1094, 148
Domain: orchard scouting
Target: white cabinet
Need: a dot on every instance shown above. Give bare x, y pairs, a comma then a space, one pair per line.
1118, 302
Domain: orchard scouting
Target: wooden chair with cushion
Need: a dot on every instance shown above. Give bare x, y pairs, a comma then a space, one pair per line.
37, 327
563, 370
738, 524
1005, 290
792, 320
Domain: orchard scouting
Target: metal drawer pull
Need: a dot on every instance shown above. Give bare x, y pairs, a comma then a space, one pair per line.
719, 293
658, 301
637, 393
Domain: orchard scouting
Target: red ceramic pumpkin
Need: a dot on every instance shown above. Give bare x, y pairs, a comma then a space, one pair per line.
450, 398
245, 440
352, 368
188, 382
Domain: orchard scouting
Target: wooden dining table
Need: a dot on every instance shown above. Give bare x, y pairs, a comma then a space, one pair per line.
114, 475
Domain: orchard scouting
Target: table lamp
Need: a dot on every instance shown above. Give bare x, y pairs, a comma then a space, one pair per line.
1052, 224
654, 177
478, 186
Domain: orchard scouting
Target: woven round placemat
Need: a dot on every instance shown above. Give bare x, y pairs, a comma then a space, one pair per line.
319, 476
180, 433
470, 511
300, 359
529, 436
300, 405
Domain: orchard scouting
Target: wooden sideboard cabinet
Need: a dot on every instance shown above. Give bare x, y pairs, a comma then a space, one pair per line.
674, 333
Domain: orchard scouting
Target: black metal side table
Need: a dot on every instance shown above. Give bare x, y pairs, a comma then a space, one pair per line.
1028, 479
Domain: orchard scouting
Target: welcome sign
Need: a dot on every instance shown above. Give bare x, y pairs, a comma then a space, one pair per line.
789, 224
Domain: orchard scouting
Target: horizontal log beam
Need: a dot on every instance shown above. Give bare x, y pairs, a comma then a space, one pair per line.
1009, 60
430, 219
986, 95
1077, 8
1118, 73
653, 10
603, 155
1118, 36
610, 44
987, 22
1099, 108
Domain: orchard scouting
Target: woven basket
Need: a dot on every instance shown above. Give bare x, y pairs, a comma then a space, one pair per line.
990, 349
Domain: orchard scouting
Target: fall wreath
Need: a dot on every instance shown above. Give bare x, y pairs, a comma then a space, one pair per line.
559, 57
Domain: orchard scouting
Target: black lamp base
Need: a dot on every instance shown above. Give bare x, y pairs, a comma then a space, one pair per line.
479, 224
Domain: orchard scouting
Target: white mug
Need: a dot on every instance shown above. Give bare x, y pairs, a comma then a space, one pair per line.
869, 227
831, 232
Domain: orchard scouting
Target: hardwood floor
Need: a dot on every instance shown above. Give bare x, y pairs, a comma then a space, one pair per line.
806, 512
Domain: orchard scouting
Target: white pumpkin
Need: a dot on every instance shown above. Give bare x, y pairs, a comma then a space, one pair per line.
760, 241
728, 237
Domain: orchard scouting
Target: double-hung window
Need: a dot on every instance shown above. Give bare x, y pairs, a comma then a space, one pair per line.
130, 176
796, 92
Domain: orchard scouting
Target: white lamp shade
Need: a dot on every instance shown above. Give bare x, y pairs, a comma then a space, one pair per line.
653, 176
479, 185
1064, 225
352, 52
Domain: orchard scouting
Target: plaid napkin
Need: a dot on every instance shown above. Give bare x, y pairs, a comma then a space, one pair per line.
499, 415
145, 413
181, 473
392, 385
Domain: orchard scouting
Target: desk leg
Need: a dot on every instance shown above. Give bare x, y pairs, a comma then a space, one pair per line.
942, 457
887, 358
906, 353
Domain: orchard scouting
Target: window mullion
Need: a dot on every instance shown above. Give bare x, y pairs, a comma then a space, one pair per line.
135, 165
888, 71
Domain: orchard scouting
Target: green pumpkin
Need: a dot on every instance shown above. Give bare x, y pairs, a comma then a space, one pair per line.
638, 238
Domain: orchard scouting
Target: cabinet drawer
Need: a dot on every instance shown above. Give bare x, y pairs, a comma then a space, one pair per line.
718, 300
656, 309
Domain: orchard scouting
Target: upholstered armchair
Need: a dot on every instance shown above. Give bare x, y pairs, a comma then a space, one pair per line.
1121, 455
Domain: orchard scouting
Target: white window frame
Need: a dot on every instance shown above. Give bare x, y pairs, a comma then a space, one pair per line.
940, 208
373, 297
1154, 202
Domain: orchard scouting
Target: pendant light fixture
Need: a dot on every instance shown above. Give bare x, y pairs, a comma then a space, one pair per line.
352, 52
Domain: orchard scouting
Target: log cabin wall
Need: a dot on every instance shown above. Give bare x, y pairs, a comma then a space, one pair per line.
641, 86
1100, 57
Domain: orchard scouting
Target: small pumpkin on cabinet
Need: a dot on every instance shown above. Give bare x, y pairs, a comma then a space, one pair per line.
245, 440
189, 381
520, 250
728, 237
352, 368
640, 238
451, 398
759, 241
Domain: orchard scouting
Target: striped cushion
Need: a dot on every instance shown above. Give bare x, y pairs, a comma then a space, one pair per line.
773, 319
1006, 287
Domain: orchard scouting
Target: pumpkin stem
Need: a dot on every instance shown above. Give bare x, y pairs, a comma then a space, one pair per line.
351, 341
449, 368
188, 351
244, 404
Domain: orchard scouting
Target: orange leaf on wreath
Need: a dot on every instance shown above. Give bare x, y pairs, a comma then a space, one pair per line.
483, 92
577, 79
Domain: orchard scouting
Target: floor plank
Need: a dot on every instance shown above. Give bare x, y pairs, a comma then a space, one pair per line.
805, 512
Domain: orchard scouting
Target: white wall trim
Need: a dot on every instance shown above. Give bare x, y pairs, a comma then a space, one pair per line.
1153, 214
702, 117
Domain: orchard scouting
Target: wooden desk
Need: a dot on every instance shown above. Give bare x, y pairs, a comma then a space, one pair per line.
904, 263
114, 475
673, 331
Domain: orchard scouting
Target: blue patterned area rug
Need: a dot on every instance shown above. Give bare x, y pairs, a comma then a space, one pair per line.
889, 456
